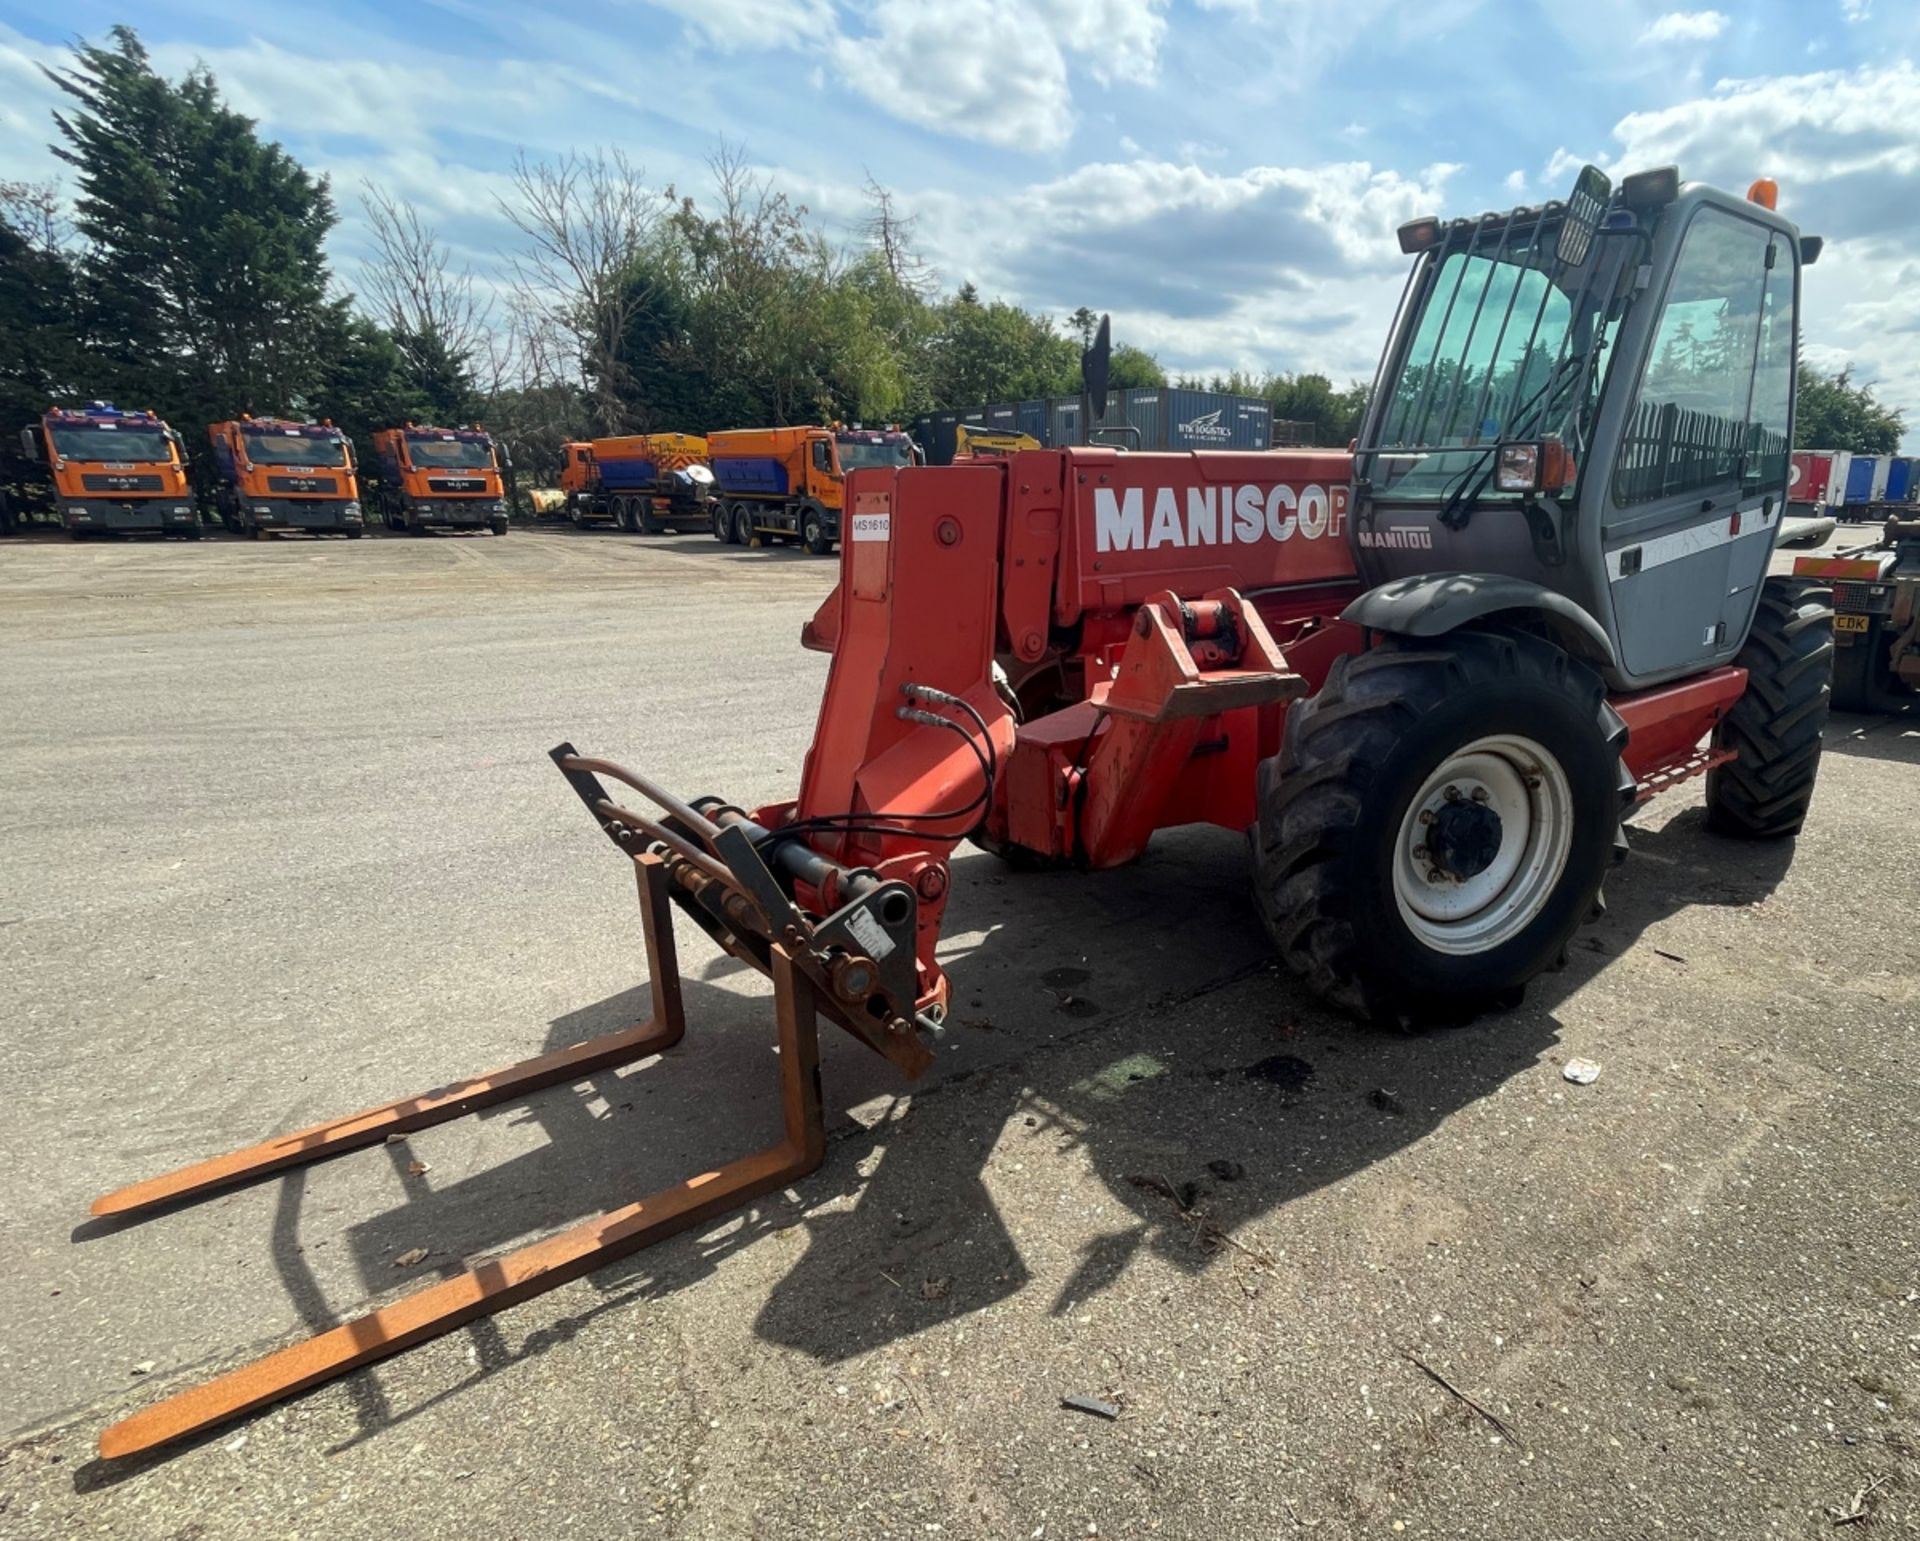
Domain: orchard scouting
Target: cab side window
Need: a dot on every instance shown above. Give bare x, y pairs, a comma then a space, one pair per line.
1712, 405
822, 455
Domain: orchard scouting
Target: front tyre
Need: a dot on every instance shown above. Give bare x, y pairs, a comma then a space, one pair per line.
1777, 722
1438, 823
813, 531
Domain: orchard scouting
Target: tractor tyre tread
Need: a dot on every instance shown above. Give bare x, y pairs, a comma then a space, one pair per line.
1776, 725
1318, 820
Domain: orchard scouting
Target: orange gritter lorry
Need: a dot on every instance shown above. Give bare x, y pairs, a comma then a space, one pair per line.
440, 478
786, 483
646, 483
113, 471
275, 474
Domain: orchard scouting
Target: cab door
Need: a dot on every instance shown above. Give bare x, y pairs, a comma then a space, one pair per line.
1699, 481
822, 479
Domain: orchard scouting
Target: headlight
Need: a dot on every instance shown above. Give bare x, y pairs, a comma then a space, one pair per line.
1519, 468
259, 510
351, 509
181, 510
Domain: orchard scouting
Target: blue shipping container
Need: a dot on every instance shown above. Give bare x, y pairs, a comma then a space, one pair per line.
1900, 487
1860, 479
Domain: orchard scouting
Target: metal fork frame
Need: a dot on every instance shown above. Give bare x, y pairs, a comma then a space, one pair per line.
504, 1281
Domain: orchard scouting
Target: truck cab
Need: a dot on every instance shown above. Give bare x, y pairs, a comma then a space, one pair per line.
444, 478
113, 471
276, 474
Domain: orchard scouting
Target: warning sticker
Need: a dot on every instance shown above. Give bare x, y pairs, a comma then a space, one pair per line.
867, 931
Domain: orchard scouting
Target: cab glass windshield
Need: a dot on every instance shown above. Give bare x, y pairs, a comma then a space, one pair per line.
1505, 342
863, 456
111, 443
294, 449
451, 454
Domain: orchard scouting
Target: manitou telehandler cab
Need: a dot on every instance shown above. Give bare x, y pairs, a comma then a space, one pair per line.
1428, 679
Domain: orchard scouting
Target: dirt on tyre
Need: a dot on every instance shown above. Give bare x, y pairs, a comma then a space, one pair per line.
1438, 823
1777, 722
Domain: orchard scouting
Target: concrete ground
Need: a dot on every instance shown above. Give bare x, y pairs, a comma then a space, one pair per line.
281, 839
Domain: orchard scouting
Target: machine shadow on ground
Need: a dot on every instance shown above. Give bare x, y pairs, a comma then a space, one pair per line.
1199, 1082
1893, 737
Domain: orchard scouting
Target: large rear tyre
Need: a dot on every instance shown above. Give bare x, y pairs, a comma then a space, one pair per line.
722, 521
1776, 724
742, 525
650, 521
1438, 823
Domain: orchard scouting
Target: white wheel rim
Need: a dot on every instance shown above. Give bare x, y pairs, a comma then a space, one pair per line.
1457, 905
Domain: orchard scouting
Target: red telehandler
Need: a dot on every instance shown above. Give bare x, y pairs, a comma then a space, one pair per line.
1428, 678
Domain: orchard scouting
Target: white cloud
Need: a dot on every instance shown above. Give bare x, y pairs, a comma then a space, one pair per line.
941, 67
947, 64
1685, 27
1269, 267
742, 25
1845, 148
1516, 182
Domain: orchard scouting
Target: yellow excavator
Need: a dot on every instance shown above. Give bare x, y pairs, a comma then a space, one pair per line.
970, 443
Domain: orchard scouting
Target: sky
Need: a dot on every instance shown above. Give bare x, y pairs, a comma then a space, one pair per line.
1224, 176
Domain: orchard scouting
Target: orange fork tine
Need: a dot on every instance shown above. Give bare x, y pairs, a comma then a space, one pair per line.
372, 1125
505, 1281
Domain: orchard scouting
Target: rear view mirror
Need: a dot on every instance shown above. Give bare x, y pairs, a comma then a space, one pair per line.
30, 442
1584, 212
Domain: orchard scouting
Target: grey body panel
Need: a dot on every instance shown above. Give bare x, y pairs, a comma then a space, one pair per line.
1672, 583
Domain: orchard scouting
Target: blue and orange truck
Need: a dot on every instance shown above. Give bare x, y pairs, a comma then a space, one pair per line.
114, 471
646, 483
275, 474
441, 478
786, 484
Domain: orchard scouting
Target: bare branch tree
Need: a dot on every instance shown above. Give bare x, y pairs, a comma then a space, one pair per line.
890, 233
415, 289
588, 219
33, 212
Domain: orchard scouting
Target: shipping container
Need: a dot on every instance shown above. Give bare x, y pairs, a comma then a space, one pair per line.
1001, 417
1809, 475
1030, 418
1900, 488
1860, 478
933, 432
1837, 479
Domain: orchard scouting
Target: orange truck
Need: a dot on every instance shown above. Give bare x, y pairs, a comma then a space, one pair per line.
275, 474
114, 471
785, 483
643, 482
441, 478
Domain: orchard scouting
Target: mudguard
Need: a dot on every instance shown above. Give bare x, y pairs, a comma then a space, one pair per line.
1436, 603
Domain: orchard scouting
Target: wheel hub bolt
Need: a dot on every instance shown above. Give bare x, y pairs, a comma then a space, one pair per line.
1426, 815
1453, 794
1419, 853
1435, 875
1479, 794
